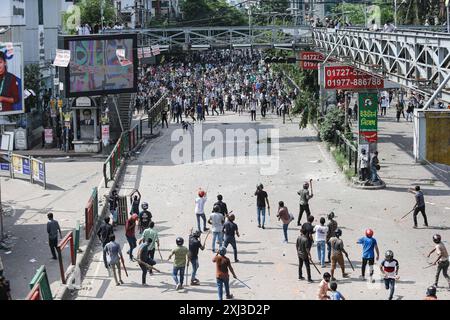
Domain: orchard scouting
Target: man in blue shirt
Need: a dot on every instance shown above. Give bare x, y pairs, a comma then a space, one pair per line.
369, 246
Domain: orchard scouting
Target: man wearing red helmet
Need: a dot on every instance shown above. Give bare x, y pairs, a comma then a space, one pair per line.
369, 246
200, 209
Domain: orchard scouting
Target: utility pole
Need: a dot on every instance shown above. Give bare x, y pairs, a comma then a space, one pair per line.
447, 2
395, 13
2, 234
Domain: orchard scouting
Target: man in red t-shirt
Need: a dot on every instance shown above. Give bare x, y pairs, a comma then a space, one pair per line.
222, 277
130, 227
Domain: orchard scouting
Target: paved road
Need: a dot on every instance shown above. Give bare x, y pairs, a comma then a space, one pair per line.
267, 265
69, 185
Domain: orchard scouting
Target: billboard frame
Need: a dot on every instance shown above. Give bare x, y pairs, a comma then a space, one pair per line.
22, 78
67, 39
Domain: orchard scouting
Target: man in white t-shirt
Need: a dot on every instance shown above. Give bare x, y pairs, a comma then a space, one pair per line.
321, 235
217, 220
200, 209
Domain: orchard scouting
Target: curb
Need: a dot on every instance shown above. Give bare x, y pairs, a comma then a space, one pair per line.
355, 184
64, 293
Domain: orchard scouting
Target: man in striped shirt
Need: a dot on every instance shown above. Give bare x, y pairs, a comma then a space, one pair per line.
389, 268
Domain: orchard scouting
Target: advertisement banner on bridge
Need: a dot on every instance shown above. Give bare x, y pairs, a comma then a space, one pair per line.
350, 78
308, 58
368, 117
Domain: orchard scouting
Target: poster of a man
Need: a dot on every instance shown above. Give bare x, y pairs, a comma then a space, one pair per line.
87, 118
10, 93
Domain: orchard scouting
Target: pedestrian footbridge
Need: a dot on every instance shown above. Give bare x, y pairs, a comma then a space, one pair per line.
419, 60
201, 38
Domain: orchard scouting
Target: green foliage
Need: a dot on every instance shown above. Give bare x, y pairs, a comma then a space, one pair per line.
381, 10
352, 11
33, 82
274, 6
306, 104
211, 13
90, 12
342, 162
266, 9
333, 120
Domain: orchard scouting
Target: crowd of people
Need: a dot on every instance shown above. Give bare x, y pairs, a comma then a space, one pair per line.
326, 236
213, 83
226, 81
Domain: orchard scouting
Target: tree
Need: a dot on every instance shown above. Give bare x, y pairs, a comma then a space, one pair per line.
89, 11
263, 12
33, 82
211, 13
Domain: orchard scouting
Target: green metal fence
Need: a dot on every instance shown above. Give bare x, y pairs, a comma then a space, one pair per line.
127, 142
40, 283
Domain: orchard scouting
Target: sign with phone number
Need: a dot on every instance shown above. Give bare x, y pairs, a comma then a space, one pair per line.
308, 59
348, 78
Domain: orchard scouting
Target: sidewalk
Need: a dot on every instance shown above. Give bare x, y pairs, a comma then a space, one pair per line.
55, 152
69, 186
399, 170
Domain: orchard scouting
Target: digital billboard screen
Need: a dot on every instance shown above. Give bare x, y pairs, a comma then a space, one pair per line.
101, 64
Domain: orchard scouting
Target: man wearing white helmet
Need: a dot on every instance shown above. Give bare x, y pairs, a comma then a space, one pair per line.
442, 259
223, 264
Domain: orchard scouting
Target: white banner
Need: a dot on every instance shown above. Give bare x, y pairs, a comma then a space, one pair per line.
120, 53
62, 58
155, 50
105, 134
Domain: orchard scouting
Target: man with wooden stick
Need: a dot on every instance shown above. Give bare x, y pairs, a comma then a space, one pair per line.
304, 201
145, 260
194, 246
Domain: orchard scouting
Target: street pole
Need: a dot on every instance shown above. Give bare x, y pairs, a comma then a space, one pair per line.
102, 12
448, 16
1, 212
395, 13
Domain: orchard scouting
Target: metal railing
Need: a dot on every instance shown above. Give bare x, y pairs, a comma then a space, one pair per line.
348, 149
127, 142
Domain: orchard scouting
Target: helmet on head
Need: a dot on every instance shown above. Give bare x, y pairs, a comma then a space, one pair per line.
222, 251
437, 238
179, 241
197, 234
431, 291
338, 232
331, 215
201, 193
216, 208
369, 233
389, 255
144, 206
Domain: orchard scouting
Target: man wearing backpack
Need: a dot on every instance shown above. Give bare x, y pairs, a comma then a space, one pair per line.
145, 217
217, 220
332, 227
151, 233
104, 234
337, 254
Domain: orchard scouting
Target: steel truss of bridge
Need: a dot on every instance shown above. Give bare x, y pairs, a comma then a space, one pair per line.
416, 59
200, 38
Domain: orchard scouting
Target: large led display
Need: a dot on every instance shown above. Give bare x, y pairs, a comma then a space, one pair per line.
97, 65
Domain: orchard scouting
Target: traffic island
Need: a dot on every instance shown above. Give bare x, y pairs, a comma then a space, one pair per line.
367, 185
